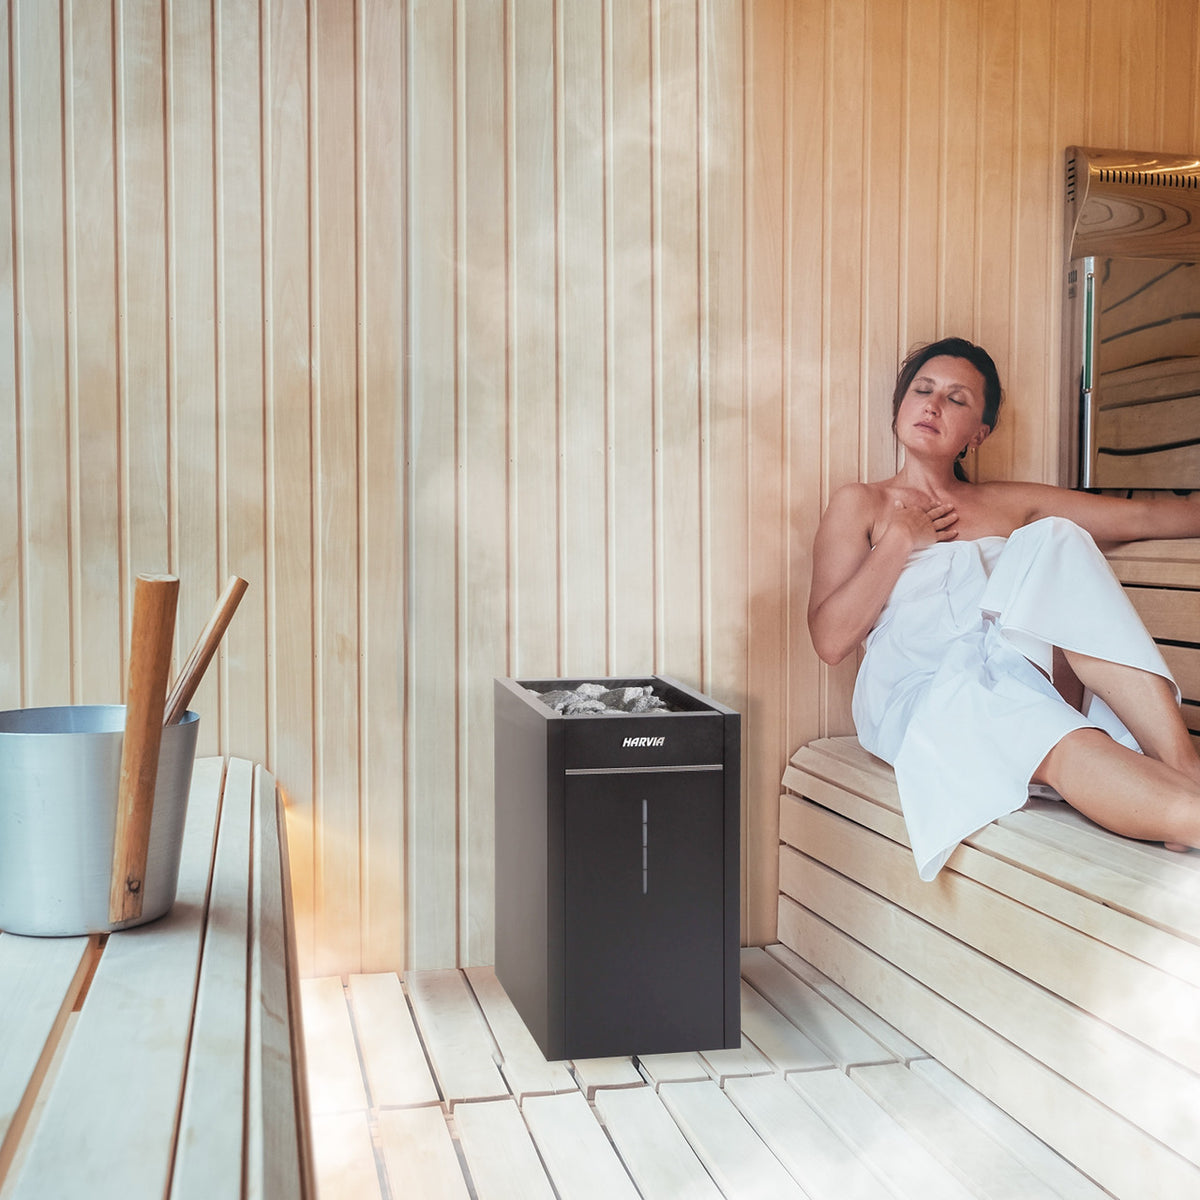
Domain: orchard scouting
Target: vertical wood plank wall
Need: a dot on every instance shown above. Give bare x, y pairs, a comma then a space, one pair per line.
504, 337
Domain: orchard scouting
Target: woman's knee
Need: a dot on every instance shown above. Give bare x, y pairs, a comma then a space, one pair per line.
1064, 758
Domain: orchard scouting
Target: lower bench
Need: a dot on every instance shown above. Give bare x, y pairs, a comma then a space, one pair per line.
166, 1059
1052, 965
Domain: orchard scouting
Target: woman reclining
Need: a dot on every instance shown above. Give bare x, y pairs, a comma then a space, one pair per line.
1000, 649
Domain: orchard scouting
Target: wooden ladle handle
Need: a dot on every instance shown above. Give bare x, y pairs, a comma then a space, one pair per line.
154, 601
204, 649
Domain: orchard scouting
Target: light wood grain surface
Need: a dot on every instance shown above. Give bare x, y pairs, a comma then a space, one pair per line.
492, 338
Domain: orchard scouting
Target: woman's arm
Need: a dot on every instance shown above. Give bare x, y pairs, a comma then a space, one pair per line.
851, 580
1112, 519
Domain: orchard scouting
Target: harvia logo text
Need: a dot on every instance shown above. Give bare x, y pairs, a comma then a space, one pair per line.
644, 741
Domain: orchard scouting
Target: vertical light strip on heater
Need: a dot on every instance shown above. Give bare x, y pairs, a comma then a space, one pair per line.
645, 846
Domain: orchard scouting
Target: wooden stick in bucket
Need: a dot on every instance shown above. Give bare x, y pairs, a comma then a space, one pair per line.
202, 652
154, 602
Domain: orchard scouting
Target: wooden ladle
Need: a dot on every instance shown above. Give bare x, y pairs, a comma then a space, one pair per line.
154, 601
204, 649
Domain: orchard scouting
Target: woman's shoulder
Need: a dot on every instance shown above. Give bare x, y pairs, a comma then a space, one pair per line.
851, 514
861, 499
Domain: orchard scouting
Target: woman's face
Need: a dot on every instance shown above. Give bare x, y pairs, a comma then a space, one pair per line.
942, 411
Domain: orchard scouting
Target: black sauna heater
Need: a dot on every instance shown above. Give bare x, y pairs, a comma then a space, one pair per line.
617, 929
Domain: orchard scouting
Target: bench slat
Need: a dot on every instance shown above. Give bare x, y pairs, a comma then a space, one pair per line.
841, 776
911, 1168
662, 1163
456, 1035
1025, 869
845, 1043
825, 1165
40, 979
777, 1037
901, 1047
500, 1153
731, 1063
680, 1067
1170, 613
1059, 1178
1115, 1153
592, 1074
1069, 1039
299, 1062
418, 1149
395, 1064
1184, 664
735, 1156
345, 1156
1151, 863
1069, 964
118, 1094
840, 796
946, 1133
208, 1159
330, 1047
277, 1163
578, 1156
522, 1064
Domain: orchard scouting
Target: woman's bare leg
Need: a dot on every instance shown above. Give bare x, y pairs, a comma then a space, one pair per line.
1127, 792
1146, 705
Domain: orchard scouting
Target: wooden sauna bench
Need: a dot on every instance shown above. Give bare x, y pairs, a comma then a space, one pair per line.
1053, 966
166, 1060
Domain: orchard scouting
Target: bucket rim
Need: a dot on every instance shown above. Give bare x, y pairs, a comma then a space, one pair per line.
85, 719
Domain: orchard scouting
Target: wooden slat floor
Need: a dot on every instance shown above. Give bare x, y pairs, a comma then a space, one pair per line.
431, 1087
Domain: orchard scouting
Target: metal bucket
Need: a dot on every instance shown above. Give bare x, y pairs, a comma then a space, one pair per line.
60, 770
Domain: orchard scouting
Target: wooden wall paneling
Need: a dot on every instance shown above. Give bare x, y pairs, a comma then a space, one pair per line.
142, 291
12, 579
632, 568
723, 168
547, 312
43, 436
1177, 93
91, 320
1068, 85
483, 522
1106, 79
336, 464
536, 415
288, 585
882, 190
998, 197
723, 350
923, 164
963, 174
842, 320
818, 396
240, 380
1184, 77
1141, 68
1038, 231
1068, 104
679, 477
1033, 376
580, 174
192, 346
381, 183
431, 509
772, 284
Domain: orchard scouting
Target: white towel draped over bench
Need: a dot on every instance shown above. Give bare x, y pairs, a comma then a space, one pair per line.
1052, 965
